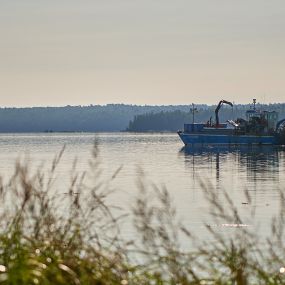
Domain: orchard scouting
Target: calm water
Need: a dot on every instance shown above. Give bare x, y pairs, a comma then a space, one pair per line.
165, 162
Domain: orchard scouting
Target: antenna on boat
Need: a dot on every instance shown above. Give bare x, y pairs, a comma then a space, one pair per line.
193, 110
254, 102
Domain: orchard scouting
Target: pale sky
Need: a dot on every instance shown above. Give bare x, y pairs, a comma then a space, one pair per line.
60, 52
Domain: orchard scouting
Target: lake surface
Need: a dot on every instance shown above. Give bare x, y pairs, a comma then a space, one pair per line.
165, 163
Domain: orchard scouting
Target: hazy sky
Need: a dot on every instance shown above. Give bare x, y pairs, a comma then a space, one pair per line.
57, 52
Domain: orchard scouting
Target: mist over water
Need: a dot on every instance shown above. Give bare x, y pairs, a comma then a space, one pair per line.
165, 162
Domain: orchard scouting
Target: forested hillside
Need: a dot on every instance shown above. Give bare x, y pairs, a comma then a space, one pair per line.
114, 117
111, 117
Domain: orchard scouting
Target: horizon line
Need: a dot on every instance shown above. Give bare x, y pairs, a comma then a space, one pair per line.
129, 104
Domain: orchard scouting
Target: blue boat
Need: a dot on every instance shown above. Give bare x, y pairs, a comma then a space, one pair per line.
259, 128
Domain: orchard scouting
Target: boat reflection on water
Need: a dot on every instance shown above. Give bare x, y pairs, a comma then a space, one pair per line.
240, 172
256, 163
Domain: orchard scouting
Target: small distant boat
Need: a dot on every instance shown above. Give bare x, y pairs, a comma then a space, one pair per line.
259, 128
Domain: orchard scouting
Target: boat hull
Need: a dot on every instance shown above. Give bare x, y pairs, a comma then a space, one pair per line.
196, 139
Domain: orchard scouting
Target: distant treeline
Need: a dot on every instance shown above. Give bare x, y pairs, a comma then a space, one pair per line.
114, 117
93, 118
174, 120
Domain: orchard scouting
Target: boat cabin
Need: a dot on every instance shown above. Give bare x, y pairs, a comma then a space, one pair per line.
266, 118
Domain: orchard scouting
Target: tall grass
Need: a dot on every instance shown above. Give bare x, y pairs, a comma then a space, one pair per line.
75, 238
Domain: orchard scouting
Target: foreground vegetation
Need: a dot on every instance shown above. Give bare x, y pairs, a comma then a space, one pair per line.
76, 238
